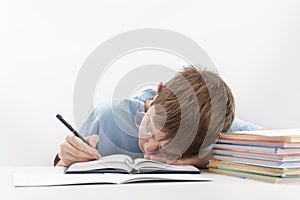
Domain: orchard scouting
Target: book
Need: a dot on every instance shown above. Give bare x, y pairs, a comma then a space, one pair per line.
266, 178
279, 135
252, 148
259, 162
253, 169
251, 154
61, 179
266, 155
262, 143
119, 163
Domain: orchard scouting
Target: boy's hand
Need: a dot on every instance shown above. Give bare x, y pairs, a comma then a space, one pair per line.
75, 150
185, 160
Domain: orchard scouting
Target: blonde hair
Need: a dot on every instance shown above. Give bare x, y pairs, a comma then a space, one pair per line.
195, 104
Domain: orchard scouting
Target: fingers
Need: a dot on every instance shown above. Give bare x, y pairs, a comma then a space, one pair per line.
75, 150
190, 160
72, 153
78, 144
156, 158
65, 161
179, 162
187, 160
92, 140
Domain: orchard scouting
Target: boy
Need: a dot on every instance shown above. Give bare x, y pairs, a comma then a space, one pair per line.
175, 124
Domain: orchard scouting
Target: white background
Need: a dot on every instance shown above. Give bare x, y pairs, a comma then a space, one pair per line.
254, 44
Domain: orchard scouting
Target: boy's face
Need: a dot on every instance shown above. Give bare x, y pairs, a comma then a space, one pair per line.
151, 139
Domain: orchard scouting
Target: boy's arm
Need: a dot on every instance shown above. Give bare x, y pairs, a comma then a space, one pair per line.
185, 160
72, 150
240, 125
147, 94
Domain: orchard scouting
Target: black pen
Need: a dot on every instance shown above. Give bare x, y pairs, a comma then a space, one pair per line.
72, 129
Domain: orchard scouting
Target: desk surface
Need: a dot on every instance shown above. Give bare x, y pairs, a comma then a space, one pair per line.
222, 187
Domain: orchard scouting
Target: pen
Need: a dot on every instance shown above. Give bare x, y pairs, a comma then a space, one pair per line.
72, 129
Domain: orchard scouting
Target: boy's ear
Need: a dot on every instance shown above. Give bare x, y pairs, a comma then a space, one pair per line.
159, 86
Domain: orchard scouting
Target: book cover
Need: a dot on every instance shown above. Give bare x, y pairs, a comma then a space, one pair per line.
253, 169
262, 143
260, 177
281, 135
259, 162
258, 149
252, 154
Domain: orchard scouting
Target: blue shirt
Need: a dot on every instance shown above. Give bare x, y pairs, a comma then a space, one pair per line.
114, 123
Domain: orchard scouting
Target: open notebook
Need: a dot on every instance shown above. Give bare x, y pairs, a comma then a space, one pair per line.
38, 180
119, 163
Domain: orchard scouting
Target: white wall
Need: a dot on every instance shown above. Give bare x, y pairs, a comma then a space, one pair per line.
254, 44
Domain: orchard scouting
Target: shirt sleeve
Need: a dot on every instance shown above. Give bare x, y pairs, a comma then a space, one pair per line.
93, 123
240, 125
145, 95
115, 126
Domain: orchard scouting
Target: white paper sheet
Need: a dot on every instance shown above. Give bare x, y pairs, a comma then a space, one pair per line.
30, 180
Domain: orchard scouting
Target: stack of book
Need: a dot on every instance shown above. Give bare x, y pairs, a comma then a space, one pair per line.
267, 155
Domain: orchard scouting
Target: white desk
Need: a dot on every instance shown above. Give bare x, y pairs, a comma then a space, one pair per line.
222, 187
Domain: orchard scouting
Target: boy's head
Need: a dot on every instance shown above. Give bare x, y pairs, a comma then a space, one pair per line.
190, 110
